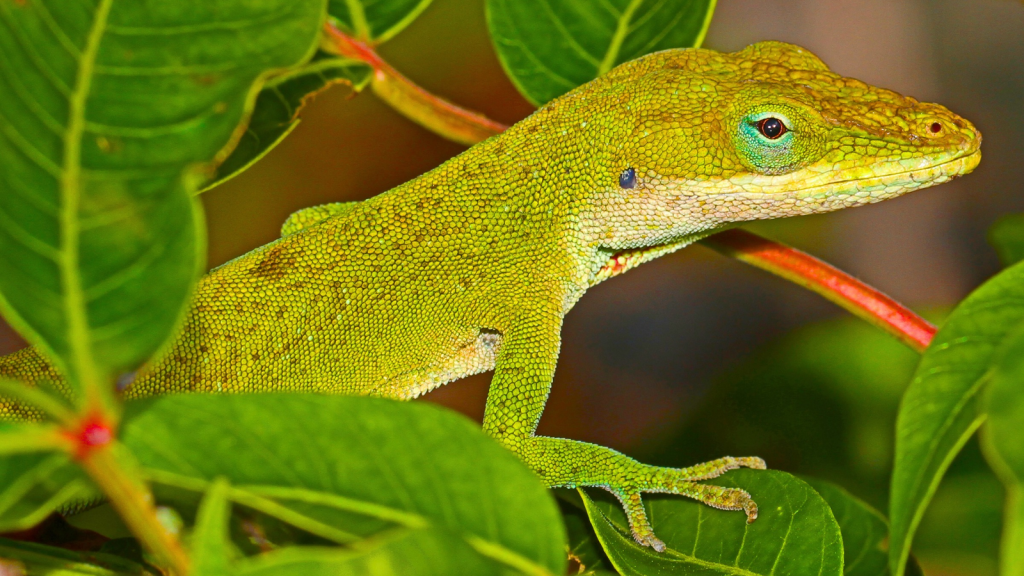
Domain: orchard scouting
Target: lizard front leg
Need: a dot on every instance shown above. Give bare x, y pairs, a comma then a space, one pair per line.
518, 393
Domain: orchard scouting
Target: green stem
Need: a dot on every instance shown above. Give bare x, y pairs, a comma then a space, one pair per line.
134, 504
466, 127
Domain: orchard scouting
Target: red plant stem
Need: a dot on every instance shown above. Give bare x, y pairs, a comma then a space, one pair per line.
134, 504
801, 268
467, 127
90, 441
428, 110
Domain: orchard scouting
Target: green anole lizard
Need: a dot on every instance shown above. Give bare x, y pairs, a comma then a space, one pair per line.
472, 266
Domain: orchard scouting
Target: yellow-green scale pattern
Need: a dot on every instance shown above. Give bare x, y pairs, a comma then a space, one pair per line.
472, 266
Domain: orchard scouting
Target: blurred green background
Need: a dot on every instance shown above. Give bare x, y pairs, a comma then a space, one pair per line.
794, 381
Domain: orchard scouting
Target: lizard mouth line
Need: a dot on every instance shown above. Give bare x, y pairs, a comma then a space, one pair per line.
850, 186
935, 171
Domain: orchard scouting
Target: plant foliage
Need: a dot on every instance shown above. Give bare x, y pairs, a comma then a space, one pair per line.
114, 114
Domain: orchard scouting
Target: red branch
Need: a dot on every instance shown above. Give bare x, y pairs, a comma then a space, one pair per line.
467, 127
801, 268
428, 110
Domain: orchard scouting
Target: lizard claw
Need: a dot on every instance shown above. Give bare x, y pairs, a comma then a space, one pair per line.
650, 540
755, 463
750, 507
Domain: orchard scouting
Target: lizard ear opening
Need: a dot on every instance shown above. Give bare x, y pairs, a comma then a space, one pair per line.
628, 178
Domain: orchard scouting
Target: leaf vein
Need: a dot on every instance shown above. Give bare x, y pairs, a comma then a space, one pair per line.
560, 26
30, 52
30, 152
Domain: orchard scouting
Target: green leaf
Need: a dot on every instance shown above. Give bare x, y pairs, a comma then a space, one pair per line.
375, 21
549, 47
346, 468
1011, 554
18, 557
109, 108
865, 531
1007, 236
940, 411
1004, 443
210, 549
961, 526
409, 552
585, 552
278, 106
1004, 404
795, 532
34, 485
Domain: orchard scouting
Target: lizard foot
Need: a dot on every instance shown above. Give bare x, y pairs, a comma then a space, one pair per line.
575, 464
683, 482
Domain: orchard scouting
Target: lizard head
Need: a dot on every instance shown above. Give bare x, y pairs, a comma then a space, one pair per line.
769, 132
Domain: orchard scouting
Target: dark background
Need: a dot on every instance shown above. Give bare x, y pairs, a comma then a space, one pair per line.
639, 352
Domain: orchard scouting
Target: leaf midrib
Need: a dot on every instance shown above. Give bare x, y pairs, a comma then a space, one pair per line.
618, 37
82, 364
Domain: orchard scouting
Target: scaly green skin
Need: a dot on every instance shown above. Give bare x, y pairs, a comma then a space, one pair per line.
472, 266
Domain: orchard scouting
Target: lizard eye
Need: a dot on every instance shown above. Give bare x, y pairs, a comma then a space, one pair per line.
771, 128
628, 178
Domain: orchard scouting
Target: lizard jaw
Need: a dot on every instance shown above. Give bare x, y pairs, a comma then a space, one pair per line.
757, 197
889, 185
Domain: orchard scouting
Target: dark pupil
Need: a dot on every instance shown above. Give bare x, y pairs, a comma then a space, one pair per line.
628, 178
772, 128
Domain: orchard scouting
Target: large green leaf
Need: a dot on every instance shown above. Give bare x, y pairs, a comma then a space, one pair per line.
865, 531
281, 101
419, 552
1007, 236
1004, 404
424, 551
375, 21
278, 106
549, 47
35, 484
795, 532
585, 553
106, 110
940, 411
347, 468
1004, 435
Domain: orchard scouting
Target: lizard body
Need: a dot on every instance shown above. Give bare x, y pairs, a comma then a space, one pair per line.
472, 266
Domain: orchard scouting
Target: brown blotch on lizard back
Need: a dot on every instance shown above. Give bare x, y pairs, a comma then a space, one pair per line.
276, 263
